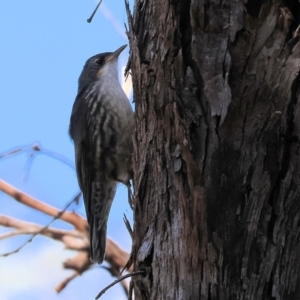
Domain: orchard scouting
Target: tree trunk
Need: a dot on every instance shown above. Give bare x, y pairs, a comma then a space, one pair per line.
216, 165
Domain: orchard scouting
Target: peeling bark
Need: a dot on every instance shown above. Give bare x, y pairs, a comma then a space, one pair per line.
216, 167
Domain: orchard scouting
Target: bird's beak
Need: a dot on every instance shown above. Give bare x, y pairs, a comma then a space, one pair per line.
115, 54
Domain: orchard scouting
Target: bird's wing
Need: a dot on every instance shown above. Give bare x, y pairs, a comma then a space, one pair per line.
82, 144
93, 140
97, 186
83, 173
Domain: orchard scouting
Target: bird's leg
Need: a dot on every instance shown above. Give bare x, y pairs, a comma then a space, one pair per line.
130, 196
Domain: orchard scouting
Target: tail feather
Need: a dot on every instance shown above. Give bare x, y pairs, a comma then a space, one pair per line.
98, 242
98, 207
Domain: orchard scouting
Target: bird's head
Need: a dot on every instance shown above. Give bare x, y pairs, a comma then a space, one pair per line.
100, 65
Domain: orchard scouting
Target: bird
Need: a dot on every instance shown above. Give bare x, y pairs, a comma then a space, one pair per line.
101, 127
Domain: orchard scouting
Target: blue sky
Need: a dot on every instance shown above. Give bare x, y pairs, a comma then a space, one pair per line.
44, 45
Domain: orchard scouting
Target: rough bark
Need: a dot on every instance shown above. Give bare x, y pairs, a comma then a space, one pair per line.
216, 164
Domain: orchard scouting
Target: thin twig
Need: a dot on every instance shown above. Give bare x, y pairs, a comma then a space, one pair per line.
118, 280
89, 20
42, 229
28, 165
116, 273
37, 148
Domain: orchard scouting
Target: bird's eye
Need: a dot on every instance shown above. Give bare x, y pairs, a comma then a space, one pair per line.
99, 61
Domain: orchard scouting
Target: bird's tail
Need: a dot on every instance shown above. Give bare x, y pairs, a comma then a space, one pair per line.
98, 243
101, 201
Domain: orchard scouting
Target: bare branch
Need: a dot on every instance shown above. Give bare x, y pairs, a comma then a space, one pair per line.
80, 262
70, 217
115, 255
42, 228
65, 282
74, 239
